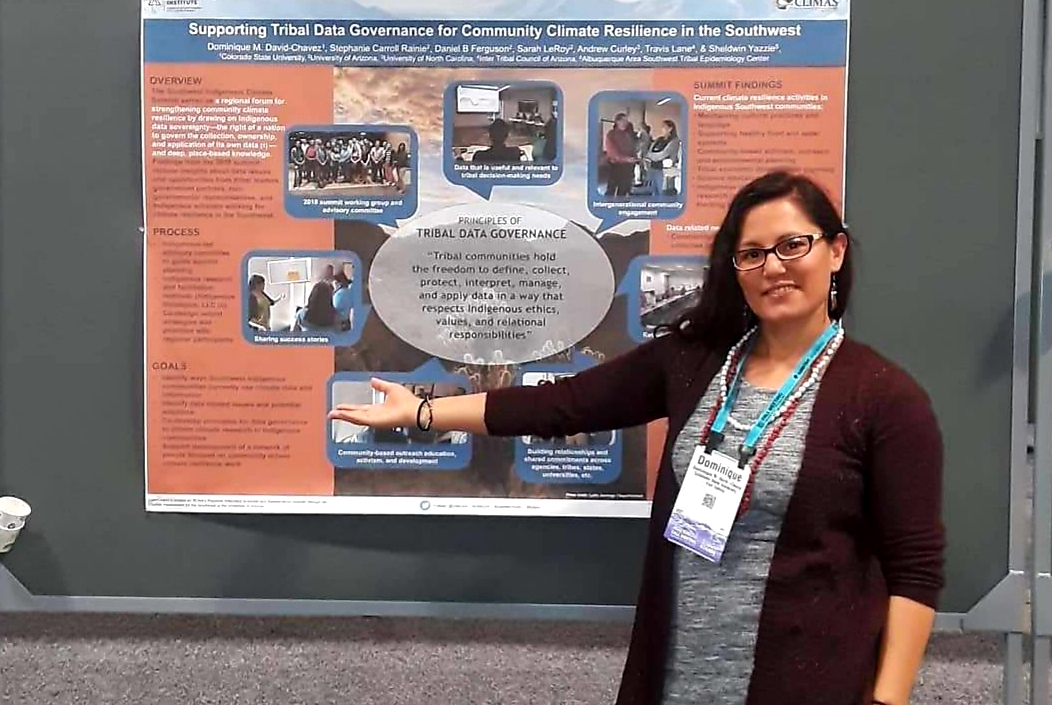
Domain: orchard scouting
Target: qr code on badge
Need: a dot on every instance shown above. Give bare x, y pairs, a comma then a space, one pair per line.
709, 501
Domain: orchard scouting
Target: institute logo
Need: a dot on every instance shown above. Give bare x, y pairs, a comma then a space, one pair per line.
807, 4
182, 5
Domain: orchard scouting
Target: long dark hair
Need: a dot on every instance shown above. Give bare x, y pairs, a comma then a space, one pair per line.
320, 311
720, 319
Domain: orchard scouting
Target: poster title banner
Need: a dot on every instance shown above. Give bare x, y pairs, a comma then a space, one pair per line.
495, 43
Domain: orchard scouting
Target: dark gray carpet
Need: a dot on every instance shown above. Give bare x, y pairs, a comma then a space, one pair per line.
103, 659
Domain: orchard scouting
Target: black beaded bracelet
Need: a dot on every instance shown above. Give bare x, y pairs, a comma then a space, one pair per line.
426, 401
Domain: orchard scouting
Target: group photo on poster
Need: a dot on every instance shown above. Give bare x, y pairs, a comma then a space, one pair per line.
468, 206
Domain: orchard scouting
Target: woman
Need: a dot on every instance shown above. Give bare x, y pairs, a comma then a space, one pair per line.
296, 160
664, 147
259, 303
319, 314
389, 165
827, 586
619, 146
322, 155
343, 170
376, 162
539, 145
401, 164
551, 132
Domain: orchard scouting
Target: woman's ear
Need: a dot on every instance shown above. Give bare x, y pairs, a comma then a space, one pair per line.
838, 247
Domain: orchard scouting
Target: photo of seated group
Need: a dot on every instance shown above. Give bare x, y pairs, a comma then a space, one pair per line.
349, 163
667, 291
640, 149
505, 124
600, 438
361, 392
301, 295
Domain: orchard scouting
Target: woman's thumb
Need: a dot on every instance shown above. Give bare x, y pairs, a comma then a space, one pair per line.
381, 385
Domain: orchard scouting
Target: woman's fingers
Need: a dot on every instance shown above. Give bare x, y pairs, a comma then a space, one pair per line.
351, 407
384, 386
348, 412
365, 414
375, 415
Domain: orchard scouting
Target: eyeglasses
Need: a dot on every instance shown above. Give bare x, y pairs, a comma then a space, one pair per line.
790, 248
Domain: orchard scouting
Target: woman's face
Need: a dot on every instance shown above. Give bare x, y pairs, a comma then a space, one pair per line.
795, 290
665, 129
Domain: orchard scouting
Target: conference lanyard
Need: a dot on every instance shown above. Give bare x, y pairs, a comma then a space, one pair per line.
774, 407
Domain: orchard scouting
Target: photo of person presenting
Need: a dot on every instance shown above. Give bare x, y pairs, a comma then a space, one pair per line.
311, 294
502, 124
757, 371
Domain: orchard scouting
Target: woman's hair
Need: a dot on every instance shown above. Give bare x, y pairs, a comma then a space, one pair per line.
671, 128
256, 281
320, 311
721, 318
342, 279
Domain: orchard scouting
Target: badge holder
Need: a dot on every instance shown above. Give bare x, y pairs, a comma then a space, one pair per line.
707, 504
714, 486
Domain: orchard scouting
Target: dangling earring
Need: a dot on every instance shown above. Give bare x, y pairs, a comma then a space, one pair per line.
747, 315
832, 293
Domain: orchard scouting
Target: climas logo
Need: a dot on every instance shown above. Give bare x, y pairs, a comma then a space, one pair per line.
807, 4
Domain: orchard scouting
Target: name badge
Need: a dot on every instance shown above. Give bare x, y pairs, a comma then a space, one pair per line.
707, 504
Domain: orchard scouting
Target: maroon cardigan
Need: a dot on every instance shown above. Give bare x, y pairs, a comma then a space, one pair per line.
864, 521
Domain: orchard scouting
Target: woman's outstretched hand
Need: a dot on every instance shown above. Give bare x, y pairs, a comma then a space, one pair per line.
399, 408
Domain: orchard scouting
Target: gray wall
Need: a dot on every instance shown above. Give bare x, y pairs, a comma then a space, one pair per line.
931, 197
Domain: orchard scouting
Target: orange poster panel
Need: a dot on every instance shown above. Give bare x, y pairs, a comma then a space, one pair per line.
742, 124
226, 414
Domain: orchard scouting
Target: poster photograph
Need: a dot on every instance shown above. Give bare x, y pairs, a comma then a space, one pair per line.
455, 198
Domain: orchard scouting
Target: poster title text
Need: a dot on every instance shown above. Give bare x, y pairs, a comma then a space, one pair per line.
467, 30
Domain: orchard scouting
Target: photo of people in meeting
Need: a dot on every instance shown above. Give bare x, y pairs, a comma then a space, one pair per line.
666, 291
640, 149
601, 438
505, 124
348, 163
361, 392
307, 295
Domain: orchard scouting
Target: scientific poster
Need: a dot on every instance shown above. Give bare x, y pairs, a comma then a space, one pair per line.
452, 196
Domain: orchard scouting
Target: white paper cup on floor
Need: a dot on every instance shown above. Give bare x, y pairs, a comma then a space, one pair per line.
7, 538
14, 513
